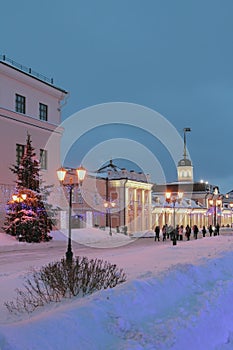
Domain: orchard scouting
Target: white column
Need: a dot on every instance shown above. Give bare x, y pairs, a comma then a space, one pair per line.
135, 210
143, 210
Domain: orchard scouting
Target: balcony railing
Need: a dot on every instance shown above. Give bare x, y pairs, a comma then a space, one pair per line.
25, 69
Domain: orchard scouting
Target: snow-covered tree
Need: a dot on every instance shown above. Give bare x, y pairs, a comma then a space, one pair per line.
27, 218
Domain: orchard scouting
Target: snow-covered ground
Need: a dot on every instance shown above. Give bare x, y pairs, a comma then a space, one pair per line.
176, 297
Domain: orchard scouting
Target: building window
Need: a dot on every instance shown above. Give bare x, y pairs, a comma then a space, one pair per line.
80, 197
43, 159
20, 104
19, 152
43, 112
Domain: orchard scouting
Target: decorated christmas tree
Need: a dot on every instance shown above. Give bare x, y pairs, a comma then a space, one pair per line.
27, 217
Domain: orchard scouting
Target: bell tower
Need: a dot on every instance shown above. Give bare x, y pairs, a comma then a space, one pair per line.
184, 167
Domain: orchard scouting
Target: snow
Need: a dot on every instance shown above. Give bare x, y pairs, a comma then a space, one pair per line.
175, 297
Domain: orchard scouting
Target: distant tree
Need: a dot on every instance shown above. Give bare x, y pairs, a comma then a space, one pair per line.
27, 217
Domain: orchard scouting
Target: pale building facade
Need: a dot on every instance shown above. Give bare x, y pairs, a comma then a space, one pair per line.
129, 197
29, 103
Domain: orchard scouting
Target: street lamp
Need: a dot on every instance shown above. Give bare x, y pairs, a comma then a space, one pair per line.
109, 206
175, 198
215, 202
72, 173
168, 199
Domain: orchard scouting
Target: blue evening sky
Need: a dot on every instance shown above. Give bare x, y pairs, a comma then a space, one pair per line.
174, 56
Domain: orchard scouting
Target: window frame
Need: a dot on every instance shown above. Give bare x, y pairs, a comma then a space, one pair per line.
20, 103
20, 149
43, 159
43, 111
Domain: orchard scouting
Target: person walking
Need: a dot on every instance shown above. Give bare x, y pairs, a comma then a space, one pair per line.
181, 231
188, 232
210, 230
164, 232
203, 231
177, 232
168, 230
157, 232
195, 231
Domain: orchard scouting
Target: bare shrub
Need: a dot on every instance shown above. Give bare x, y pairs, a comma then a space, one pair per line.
62, 279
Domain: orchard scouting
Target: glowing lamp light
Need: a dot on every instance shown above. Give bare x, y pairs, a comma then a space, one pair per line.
109, 204
14, 197
19, 198
81, 173
61, 173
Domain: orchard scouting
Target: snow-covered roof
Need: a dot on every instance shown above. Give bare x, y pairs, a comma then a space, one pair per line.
160, 201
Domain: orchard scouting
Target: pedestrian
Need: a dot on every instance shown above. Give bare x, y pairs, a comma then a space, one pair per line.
195, 231
203, 231
157, 232
181, 231
177, 232
210, 230
172, 233
188, 232
164, 232
168, 230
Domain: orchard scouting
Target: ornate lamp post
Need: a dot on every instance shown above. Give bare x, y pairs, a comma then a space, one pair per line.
167, 199
175, 198
109, 206
61, 174
215, 202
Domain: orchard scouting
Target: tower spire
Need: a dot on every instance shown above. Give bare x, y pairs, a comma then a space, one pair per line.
185, 149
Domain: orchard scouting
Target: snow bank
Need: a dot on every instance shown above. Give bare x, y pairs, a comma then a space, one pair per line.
176, 298
187, 307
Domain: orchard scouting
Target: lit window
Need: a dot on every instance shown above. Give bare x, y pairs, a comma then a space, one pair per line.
43, 159
19, 153
20, 104
43, 112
